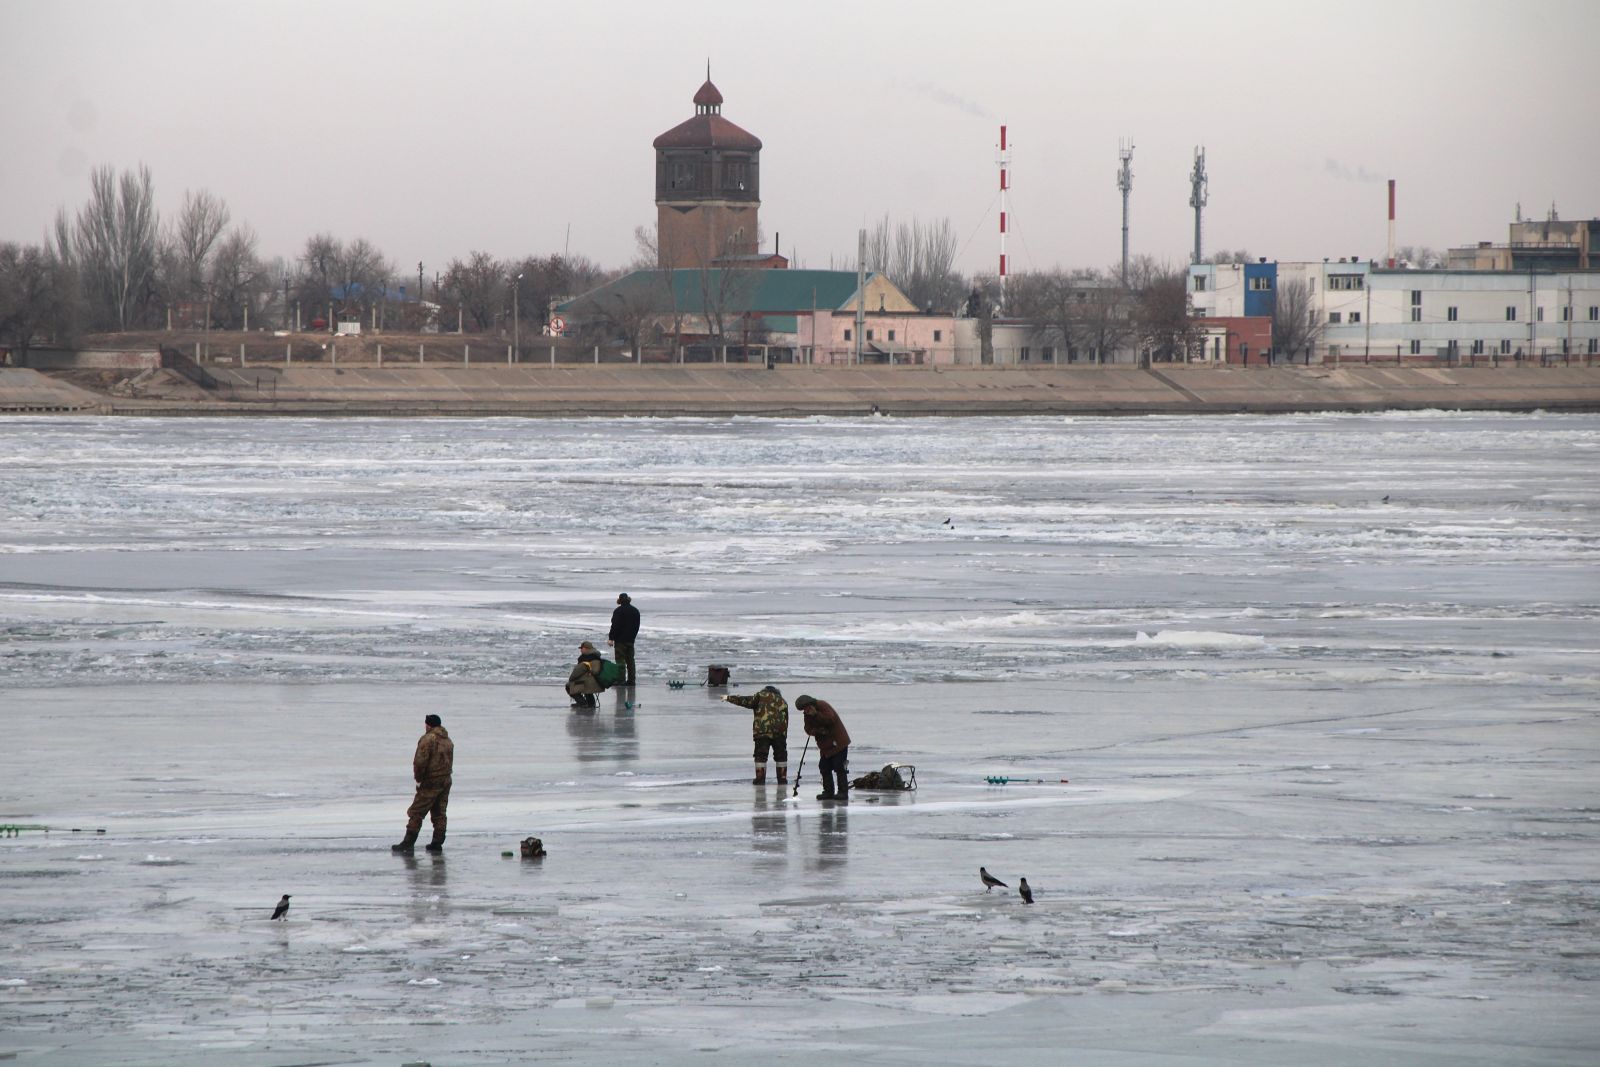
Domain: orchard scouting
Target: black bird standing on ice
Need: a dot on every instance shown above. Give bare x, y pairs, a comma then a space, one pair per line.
282, 910
990, 881
1027, 894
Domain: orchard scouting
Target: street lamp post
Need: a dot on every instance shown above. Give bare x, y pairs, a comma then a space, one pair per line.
516, 320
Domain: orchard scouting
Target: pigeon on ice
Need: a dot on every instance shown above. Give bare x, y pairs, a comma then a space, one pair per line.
282, 910
1022, 888
989, 880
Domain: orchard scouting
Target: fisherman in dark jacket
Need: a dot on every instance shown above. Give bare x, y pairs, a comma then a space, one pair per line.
624, 628
833, 744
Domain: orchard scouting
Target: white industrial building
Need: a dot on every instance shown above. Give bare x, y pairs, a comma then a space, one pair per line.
1367, 313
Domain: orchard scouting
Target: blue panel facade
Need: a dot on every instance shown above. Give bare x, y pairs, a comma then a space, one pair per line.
1260, 288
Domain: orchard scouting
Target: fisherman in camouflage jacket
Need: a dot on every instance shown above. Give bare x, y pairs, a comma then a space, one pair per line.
770, 728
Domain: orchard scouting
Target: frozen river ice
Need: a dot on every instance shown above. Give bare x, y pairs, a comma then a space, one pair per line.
1323, 688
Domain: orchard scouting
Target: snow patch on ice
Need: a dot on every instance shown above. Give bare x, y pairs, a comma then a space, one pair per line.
1201, 639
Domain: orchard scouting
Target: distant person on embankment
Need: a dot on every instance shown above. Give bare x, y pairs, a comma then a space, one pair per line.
624, 629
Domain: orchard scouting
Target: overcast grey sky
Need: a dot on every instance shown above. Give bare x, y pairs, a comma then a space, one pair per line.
434, 128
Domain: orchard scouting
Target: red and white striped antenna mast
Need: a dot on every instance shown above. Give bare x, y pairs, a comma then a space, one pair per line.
1004, 161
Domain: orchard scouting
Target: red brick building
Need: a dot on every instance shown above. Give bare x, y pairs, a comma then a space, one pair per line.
708, 187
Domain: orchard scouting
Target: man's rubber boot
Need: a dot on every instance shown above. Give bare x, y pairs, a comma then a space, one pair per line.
437, 844
408, 845
761, 776
841, 790
783, 774
827, 787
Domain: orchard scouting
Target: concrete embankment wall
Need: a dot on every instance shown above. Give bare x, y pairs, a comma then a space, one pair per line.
785, 390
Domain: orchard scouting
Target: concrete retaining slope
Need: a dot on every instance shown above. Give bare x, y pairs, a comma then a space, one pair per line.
25, 391
740, 389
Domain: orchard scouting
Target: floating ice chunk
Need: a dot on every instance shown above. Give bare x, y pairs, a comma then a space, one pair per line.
708, 970
423, 981
550, 959
92, 856
157, 861
13, 981
1200, 639
357, 948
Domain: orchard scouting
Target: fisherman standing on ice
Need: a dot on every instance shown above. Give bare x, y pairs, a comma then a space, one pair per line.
833, 743
431, 767
624, 631
770, 728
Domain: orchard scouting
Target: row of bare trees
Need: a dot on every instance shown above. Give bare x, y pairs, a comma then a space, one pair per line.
1088, 314
488, 291
116, 265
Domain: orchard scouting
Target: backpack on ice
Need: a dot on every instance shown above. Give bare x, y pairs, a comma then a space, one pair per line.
610, 674
894, 776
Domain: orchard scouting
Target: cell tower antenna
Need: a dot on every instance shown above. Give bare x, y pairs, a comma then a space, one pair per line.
1004, 161
1199, 193
1125, 183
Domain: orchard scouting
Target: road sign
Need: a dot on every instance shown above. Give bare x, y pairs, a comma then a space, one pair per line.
558, 325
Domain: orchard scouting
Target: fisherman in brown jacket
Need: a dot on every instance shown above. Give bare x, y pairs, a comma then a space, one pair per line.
431, 767
833, 744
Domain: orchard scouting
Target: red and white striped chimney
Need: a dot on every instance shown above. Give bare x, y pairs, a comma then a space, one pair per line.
1003, 159
1391, 224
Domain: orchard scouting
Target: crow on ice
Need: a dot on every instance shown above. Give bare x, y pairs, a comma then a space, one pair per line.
1022, 888
989, 880
282, 910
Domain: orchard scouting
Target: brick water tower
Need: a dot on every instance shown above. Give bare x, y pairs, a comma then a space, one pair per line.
708, 187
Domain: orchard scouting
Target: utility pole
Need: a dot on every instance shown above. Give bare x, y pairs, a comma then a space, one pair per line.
516, 319
1199, 193
861, 290
1125, 183
419, 281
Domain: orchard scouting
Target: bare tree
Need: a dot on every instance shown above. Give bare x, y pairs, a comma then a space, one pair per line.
1222, 255
1077, 311
363, 277
1047, 301
318, 274
919, 257
478, 286
115, 243
1166, 329
238, 280
26, 292
1296, 326
199, 225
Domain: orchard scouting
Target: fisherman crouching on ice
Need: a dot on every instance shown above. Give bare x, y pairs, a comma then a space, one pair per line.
770, 728
584, 681
833, 743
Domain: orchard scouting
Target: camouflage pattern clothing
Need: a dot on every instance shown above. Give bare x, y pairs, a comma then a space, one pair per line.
771, 718
435, 757
431, 766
